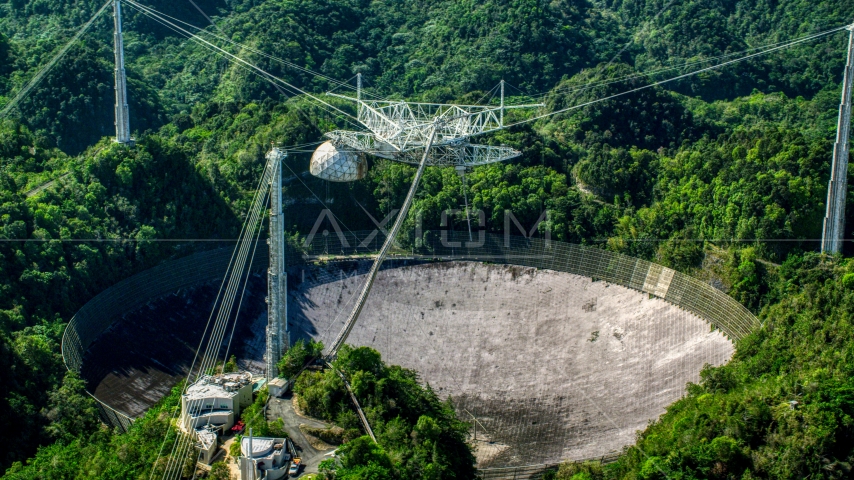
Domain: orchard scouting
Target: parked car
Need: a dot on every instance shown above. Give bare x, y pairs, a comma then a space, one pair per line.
238, 427
294, 470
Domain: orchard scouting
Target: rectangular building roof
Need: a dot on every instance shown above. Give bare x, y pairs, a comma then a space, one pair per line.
225, 385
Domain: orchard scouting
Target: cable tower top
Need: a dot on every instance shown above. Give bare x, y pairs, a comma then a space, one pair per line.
122, 115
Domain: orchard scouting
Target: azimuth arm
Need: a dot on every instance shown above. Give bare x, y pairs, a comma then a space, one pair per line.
372, 275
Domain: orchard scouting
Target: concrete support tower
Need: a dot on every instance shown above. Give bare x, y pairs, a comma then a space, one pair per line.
278, 336
122, 116
834, 221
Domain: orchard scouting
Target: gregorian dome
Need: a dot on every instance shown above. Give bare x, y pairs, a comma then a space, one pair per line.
330, 163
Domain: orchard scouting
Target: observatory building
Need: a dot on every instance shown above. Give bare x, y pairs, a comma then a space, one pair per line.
263, 458
215, 401
206, 442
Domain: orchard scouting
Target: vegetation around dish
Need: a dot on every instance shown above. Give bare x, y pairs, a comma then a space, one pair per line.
297, 356
418, 435
721, 175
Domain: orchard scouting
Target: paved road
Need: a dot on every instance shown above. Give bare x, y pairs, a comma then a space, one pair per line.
283, 408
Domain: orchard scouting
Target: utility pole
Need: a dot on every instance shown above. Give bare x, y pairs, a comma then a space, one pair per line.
278, 336
122, 116
834, 221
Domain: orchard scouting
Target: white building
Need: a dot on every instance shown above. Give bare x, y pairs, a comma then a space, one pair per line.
263, 458
215, 401
278, 386
206, 442
211, 405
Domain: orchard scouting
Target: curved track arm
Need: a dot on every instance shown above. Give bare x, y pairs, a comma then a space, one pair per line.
355, 402
392, 234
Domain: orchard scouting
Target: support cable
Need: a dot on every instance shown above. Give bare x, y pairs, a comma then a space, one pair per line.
251, 49
240, 62
234, 274
197, 38
41, 73
204, 14
220, 292
683, 65
372, 274
669, 80
245, 283
214, 342
237, 274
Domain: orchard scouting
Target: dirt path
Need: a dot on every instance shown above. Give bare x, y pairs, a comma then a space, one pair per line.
583, 189
229, 460
44, 186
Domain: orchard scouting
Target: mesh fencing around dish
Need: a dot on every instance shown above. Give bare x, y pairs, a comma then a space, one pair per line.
104, 309
552, 366
695, 296
702, 299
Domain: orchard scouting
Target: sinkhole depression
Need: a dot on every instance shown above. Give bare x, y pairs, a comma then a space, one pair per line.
548, 365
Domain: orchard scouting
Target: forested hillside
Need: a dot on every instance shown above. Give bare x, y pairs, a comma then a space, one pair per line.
722, 175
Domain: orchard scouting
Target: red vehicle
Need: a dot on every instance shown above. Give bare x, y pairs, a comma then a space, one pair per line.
238, 427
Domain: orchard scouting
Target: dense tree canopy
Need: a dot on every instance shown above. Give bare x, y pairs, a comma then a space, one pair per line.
722, 175
782, 408
418, 436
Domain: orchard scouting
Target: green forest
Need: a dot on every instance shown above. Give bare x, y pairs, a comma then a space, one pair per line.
721, 175
418, 436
